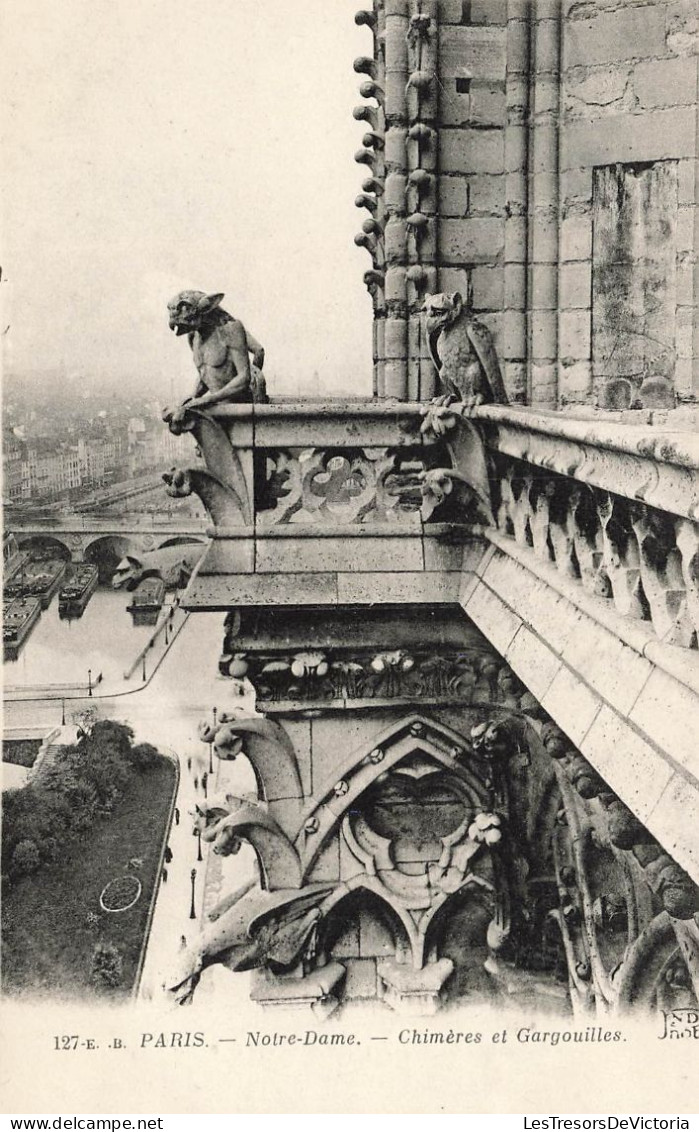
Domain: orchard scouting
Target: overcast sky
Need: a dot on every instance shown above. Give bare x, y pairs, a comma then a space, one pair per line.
157, 145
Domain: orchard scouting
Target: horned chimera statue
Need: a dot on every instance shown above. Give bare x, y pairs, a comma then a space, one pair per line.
220, 345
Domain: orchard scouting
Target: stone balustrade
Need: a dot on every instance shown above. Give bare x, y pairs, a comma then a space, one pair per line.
613, 509
319, 503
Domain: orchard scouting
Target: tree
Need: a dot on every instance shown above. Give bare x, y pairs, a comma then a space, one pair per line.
144, 756
25, 858
107, 966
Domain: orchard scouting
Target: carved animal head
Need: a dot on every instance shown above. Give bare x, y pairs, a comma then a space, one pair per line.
128, 574
441, 310
179, 482
189, 310
174, 564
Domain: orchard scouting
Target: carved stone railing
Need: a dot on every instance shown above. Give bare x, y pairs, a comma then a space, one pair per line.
614, 509
329, 493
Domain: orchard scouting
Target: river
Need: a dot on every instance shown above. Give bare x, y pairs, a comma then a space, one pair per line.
61, 652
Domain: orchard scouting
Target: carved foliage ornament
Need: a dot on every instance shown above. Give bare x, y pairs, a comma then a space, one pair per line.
464, 676
339, 486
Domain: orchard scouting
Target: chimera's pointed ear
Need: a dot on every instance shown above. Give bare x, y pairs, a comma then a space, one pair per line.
457, 302
210, 302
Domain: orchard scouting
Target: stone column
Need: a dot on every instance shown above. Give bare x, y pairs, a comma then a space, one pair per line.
396, 110
543, 203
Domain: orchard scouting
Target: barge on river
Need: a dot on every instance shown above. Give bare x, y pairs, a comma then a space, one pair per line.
40, 578
75, 594
147, 601
19, 616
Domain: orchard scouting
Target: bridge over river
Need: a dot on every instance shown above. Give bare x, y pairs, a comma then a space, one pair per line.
90, 536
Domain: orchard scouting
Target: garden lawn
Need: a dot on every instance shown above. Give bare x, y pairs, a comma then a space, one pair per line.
52, 919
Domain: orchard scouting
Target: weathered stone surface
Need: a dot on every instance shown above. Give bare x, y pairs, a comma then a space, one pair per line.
544, 288
475, 240
451, 11
544, 334
515, 376
223, 591
551, 616
668, 822
453, 196
667, 712
515, 281
636, 771
514, 335
489, 11
488, 287
367, 589
634, 273
487, 195
574, 381
665, 82
576, 238
441, 556
650, 136
528, 654
516, 239
622, 34
488, 104
479, 151
572, 705
612, 668
574, 334
596, 89
575, 283
321, 555
478, 52
495, 619
454, 279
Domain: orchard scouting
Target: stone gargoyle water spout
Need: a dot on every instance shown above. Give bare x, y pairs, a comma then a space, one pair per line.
253, 928
221, 346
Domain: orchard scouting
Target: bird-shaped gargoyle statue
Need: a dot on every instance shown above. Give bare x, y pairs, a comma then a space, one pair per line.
220, 345
462, 349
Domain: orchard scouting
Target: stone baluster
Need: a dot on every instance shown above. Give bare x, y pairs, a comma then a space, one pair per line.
661, 575
521, 486
563, 531
620, 557
687, 538
539, 520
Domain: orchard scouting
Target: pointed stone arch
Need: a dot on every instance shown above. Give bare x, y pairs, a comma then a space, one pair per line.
416, 735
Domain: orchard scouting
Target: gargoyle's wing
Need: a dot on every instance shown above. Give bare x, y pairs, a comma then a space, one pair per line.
482, 342
285, 942
432, 340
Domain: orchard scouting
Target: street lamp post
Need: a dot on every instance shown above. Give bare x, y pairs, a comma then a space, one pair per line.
193, 878
199, 856
63, 713
89, 681
144, 668
211, 747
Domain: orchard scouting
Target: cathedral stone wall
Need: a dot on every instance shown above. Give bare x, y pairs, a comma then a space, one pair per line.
565, 151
